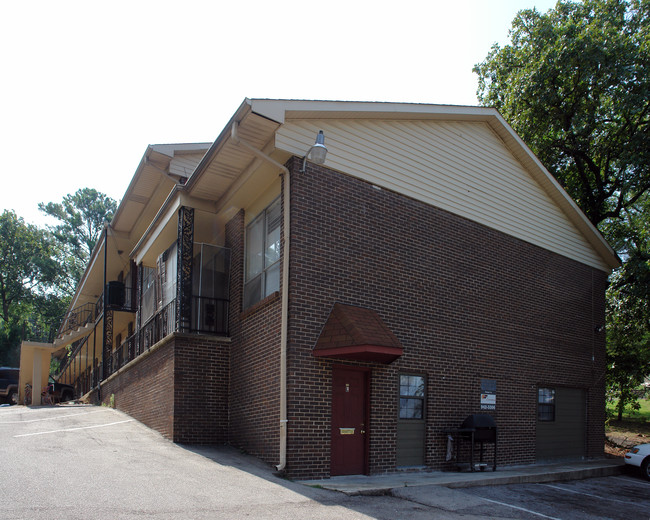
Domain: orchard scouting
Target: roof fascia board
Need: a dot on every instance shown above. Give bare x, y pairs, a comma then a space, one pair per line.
167, 150
281, 110
219, 142
99, 247
166, 211
172, 149
134, 181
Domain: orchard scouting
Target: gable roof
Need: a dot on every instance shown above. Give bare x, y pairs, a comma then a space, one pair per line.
466, 160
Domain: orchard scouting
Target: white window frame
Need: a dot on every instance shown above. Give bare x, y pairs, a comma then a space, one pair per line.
259, 285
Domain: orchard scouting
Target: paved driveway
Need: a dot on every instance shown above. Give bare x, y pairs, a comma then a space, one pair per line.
618, 497
81, 462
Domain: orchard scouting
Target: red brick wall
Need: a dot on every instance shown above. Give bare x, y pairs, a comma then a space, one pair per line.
254, 361
466, 302
179, 389
145, 390
201, 378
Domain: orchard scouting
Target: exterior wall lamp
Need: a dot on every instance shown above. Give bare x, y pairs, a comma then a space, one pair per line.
318, 151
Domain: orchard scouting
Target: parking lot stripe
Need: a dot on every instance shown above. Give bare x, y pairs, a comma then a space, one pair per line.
73, 429
519, 508
50, 418
632, 480
586, 494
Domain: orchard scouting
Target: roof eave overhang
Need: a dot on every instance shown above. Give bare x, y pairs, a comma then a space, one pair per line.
369, 353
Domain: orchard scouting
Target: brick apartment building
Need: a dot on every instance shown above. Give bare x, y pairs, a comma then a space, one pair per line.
338, 318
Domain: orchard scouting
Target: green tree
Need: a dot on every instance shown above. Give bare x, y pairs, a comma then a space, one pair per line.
81, 218
628, 300
575, 84
27, 273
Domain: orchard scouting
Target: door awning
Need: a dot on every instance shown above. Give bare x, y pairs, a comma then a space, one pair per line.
358, 334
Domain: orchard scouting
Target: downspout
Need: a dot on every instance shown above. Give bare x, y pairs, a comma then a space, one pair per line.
285, 292
104, 329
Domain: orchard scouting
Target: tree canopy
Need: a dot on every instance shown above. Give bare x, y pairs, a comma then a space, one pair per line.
27, 274
40, 268
81, 218
574, 83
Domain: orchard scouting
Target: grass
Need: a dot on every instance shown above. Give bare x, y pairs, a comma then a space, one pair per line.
640, 415
633, 429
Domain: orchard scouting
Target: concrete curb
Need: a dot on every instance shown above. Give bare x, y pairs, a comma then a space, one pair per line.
555, 476
536, 473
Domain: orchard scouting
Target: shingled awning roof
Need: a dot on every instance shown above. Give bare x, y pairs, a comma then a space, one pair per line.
358, 334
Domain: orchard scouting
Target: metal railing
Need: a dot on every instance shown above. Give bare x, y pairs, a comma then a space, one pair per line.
158, 326
209, 316
123, 354
78, 317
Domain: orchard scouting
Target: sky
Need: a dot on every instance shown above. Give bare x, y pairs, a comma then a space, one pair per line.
85, 86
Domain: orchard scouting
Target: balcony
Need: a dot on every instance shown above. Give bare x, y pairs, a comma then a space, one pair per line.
209, 316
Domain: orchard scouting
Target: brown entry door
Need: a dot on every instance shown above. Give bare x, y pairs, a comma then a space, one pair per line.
350, 391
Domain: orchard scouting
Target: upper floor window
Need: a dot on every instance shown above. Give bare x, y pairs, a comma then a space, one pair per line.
262, 271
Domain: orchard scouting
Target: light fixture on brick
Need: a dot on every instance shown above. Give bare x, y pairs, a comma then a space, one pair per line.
318, 151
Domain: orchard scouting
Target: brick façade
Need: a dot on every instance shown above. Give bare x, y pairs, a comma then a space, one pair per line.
179, 388
465, 301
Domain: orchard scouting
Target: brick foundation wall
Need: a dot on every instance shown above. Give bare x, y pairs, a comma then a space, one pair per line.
145, 389
201, 378
179, 388
254, 360
466, 302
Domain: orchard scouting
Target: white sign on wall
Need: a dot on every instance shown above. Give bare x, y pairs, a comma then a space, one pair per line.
488, 394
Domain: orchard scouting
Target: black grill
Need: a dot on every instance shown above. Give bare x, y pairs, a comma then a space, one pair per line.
477, 430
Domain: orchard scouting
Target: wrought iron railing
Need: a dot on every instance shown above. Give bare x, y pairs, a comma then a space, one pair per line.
123, 354
209, 315
158, 326
78, 317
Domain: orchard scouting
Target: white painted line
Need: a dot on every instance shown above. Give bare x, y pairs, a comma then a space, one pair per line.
74, 429
632, 480
519, 508
586, 494
53, 417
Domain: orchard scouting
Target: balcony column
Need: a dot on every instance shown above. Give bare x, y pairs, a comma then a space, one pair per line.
107, 347
185, 251
138, 307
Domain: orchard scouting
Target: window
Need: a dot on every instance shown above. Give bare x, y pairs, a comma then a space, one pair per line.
262, 276
546, 404
411, 397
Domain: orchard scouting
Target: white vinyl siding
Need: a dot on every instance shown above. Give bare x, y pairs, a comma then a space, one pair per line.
459, 166
184, 164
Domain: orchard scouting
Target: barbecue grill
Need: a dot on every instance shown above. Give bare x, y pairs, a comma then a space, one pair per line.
477, 430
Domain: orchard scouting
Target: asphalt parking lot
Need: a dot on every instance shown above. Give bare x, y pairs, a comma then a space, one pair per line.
619, 497
80, 462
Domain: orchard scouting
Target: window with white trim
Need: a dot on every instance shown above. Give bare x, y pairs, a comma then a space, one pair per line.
262, 265
411, 396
